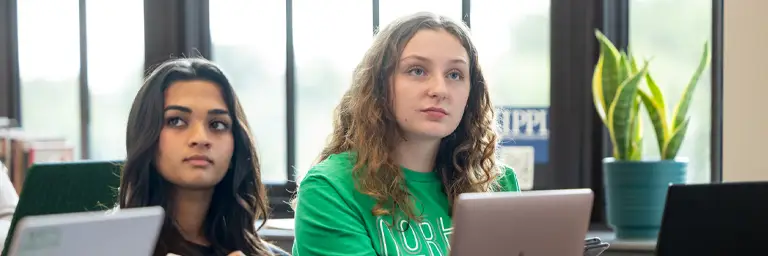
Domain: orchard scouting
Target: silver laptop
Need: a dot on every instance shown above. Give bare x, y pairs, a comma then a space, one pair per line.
531, 223
128, 232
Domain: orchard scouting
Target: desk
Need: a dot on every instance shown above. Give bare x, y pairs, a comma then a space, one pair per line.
281, 234
624, 248
280, 237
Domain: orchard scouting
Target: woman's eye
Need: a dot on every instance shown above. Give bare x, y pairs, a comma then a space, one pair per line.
175, 122
455, 75
416, 71
219, 126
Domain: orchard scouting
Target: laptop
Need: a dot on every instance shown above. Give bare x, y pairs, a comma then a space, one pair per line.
714, 219
127, 232
531, 223
52, 188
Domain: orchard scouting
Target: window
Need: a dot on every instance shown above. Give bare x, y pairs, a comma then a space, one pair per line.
115, 39
513, 48
324, 67
49, 62
393, 9
249, 43
673, 32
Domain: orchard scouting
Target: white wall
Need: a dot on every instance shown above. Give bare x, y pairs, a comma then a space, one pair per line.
745, 85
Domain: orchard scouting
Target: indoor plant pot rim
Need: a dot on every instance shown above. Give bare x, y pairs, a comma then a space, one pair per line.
646, 161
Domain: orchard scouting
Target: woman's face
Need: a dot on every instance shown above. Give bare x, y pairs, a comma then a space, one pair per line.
431, 85
196, 143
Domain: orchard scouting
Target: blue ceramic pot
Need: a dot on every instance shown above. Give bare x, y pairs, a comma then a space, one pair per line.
635, 193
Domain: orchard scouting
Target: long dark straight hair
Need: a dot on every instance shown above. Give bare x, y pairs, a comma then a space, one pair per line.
238, 200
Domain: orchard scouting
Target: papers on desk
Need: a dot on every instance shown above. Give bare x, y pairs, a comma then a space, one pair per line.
522, 160
283, 224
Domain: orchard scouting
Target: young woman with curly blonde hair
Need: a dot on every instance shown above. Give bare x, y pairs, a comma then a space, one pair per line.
415, 130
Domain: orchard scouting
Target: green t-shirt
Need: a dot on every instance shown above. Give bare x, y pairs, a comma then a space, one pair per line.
333, 218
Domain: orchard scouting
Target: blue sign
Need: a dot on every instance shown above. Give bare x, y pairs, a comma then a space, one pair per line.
525, 127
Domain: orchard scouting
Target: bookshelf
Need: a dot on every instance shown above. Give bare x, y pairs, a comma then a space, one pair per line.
20, 150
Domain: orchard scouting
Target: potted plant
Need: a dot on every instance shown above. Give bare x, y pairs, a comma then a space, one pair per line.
636, 188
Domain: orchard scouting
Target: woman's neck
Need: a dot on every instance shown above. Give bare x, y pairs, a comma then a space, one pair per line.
190, 210
416, 155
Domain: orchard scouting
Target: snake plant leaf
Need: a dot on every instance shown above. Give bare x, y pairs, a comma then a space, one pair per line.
656, 114
636, 131
611, 68
657, 95
673, 145
619, 113
633, 65
681, 111
636, 122
637, 138
597, 90
625, 68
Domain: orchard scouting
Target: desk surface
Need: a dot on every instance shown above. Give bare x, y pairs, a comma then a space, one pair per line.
281, 231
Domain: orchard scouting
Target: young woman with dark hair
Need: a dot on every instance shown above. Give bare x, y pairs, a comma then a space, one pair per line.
190, 150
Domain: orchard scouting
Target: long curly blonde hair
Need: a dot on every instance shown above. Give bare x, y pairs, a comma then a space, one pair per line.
364, 123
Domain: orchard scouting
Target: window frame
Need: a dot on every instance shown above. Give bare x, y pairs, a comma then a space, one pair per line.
10, 83
716, 157
181, 28
83, 91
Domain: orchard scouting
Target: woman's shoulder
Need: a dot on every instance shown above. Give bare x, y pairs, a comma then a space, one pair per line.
508, 179
331, 178
337, 168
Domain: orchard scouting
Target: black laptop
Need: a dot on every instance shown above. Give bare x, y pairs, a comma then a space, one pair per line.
715, 219
51, 188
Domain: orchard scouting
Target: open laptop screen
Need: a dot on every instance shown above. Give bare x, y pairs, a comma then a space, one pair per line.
51, 188
714, 219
